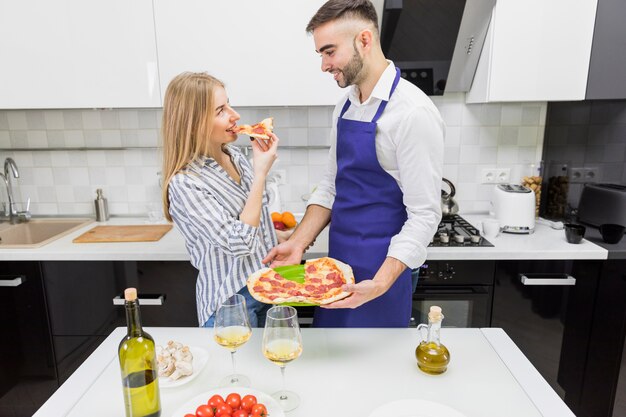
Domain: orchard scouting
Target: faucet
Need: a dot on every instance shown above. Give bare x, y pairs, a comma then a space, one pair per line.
10, 167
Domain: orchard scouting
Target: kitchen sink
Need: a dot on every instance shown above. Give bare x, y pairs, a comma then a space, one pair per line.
37, 232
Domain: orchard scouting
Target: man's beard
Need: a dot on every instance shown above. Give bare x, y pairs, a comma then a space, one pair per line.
353, 71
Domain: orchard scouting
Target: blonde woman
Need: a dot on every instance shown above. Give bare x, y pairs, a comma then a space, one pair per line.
212, 193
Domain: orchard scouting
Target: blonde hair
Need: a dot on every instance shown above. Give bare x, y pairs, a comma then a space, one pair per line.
186, 125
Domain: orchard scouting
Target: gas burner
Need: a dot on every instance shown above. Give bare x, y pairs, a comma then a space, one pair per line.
455, 231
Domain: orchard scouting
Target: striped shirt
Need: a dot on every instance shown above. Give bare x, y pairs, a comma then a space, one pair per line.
205, 203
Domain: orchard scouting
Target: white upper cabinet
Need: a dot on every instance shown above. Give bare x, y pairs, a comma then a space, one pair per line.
259, 49
78, 54
535, 50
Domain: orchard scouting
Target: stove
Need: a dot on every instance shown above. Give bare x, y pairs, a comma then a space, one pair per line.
455, 231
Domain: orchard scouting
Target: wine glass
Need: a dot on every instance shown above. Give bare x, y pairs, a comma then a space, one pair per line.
232, 329
282, 343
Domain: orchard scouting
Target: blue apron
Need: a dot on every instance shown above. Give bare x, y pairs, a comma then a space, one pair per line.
368, 211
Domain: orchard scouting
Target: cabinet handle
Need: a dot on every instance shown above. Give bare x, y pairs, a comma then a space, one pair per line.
144, 300
13, 282
548, 279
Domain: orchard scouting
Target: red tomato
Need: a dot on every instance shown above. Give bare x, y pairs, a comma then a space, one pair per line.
223, 410
247, 402
204, 411
216, 400
240, 413
259, 409
193, 415
234, 400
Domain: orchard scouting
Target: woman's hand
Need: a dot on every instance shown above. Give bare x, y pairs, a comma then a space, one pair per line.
264, 153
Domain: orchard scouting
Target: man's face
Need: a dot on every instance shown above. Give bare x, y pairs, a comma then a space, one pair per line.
336, 43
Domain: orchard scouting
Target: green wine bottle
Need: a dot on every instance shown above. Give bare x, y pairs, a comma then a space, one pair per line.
138, 364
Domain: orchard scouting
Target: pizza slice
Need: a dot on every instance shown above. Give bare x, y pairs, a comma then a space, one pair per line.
260, 130
322, 283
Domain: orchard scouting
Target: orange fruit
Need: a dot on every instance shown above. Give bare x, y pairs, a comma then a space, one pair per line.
289, 220
277, 217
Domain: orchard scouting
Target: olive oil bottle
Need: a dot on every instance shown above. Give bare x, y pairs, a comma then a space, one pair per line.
138, 365
432, 356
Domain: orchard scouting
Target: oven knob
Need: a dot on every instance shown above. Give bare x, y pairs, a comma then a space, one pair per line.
443, 238
459, 238
475, 239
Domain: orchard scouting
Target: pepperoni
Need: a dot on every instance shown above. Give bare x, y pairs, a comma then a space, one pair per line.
274, 283
259, 129
335, 285
258, 288
316, 280
332, 276
311, 268
278, 276
289, 284
265, 279
272, 297
310, 288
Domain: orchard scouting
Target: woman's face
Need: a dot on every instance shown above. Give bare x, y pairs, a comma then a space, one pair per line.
225, 118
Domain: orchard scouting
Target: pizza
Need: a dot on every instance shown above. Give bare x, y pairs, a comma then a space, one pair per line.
323, 280
259, 130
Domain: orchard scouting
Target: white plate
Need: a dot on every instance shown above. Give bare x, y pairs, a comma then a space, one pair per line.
200, 359
415, 408
273, 408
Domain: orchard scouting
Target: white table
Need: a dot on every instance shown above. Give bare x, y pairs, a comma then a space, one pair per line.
342, 372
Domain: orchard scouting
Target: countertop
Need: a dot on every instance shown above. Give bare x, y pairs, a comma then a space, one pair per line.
615, 251
341, 372
544, 243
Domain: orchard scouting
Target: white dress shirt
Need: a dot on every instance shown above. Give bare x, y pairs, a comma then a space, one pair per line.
409, 146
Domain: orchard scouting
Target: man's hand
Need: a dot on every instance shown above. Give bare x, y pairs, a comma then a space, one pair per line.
362, 292
287, 253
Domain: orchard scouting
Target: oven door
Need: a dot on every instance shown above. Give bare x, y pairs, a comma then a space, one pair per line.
463, 306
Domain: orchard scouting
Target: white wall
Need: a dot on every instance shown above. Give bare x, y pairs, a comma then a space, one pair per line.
63, 181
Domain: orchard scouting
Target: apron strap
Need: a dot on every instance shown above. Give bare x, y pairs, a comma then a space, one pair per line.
383, 104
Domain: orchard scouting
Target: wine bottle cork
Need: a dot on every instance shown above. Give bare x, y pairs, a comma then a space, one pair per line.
130, 294
435, 313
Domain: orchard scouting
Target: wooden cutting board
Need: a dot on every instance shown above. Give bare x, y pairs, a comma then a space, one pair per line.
142, 233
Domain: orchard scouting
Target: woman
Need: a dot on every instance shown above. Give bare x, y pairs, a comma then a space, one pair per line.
212, 193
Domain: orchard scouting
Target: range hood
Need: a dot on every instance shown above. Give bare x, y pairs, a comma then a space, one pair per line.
436, 43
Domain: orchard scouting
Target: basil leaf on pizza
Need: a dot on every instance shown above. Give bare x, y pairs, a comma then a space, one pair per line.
322, 283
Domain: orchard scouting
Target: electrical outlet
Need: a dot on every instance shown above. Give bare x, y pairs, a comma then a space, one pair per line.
580, 175
495, 175
281, 176
503, 175
488, 176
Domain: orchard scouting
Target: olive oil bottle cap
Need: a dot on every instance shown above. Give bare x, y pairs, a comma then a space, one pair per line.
130, 294
435, 313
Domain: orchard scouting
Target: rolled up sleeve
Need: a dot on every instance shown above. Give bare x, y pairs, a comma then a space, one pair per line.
194, 204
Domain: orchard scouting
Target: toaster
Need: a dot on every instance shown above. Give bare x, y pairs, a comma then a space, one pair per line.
514, 207
602, 203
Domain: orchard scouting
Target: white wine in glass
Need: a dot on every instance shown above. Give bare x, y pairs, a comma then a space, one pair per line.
232, 329
282, 343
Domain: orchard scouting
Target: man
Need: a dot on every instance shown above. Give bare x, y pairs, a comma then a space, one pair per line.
381, 192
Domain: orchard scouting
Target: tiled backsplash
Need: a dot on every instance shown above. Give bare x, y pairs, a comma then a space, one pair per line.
63, 180
587, 134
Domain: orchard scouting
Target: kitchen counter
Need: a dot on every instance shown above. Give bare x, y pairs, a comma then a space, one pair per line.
341, 372
615, 251
544, 243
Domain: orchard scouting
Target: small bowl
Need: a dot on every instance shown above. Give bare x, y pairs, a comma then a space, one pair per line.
574, 233
612, 233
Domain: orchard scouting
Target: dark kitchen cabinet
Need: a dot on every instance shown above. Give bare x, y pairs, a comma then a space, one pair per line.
27, 369
608, 60
80, 308
547, 308
170, 281
604, 390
